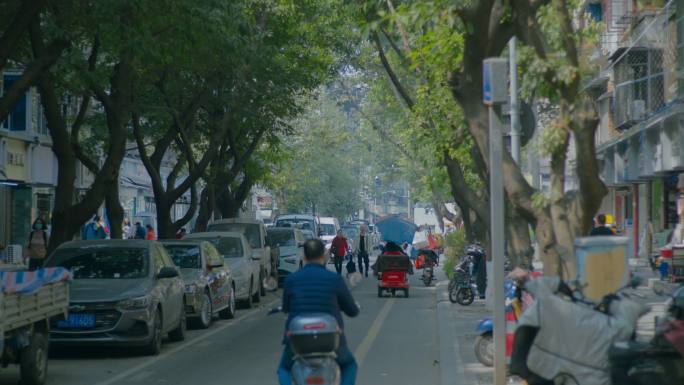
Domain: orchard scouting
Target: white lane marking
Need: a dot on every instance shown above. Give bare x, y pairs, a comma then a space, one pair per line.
373, 332
141, 376
180, 347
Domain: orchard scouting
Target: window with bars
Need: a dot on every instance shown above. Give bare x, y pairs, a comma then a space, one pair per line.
16, 120
639, 85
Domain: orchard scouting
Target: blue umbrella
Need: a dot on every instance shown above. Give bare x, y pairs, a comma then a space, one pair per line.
396, 229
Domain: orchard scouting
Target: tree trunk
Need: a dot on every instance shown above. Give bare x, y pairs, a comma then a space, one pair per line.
518, 242
206, 208
115, 212
62, 228
165, 228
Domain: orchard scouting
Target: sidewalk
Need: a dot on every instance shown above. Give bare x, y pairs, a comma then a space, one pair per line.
457, 324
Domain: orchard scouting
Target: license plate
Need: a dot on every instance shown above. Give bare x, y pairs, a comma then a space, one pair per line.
77, 321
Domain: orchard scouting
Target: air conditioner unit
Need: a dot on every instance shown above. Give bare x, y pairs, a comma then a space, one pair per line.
14, 254
636, 110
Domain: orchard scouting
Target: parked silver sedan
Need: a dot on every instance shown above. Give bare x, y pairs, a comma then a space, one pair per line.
238, 255
209, 286
124, 293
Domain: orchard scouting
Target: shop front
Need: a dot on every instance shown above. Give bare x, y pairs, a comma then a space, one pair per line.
15, 193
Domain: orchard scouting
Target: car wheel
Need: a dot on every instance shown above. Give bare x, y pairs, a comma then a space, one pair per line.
256, 298
229, 312
206, 311
178, 334
154, 346
262, 289
406, 293
33, 360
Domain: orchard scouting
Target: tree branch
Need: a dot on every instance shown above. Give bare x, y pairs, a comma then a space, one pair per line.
26, 15
390, 72
44, 58
151, 170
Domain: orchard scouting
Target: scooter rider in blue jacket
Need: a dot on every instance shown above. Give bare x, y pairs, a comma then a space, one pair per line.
314, 289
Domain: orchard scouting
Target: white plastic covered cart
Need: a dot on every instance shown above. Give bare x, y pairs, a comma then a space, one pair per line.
28, 300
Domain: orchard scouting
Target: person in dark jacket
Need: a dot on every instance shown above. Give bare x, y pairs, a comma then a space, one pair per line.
601, 228
314, 289
140, 231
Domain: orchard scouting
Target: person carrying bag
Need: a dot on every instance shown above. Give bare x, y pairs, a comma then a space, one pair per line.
37, 245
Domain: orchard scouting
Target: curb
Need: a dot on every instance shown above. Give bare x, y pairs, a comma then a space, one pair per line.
662, 287
450, 360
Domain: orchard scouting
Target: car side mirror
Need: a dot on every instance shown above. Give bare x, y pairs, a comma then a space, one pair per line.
167, 272
215, 264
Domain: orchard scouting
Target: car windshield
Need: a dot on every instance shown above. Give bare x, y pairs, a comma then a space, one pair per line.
90, 262
350, 232
282, 238
308, 235
327, 229
251, 231
185, 256
301, 223
226, 246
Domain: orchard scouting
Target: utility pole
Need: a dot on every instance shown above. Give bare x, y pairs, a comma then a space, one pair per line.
515, 106
495, 93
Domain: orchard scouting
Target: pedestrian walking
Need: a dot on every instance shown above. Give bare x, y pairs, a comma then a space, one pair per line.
94, 229
362, 248
339, 248
150, 235
140, 232
126, 229
37, 244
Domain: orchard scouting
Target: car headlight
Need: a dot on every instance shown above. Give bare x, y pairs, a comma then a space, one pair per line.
135, 303
190, 288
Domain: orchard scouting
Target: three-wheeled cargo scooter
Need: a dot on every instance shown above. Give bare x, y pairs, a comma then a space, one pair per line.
393, 272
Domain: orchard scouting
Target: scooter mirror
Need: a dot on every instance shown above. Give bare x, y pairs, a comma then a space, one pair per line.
270, 284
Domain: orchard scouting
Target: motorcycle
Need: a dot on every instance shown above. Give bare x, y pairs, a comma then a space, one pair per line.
427, 260
563, 338
314, 339
462, 285
658, 362
484, 342
428, 275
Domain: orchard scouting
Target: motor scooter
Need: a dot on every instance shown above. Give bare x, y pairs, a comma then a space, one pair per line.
314, 339
484, 342
564, 338
428, 274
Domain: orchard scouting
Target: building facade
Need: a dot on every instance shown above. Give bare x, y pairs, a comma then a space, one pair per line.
28, 173
640, 138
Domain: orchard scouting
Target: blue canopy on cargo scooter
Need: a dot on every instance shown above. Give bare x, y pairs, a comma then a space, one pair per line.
396, 229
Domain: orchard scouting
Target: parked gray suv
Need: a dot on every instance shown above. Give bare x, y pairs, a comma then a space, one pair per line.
124, 292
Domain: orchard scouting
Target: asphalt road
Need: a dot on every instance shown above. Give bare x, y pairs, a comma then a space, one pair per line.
394, 341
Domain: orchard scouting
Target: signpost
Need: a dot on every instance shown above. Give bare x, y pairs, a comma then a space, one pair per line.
495, 93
